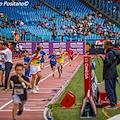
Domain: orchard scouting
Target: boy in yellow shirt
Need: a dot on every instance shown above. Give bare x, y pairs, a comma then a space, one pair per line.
60, 60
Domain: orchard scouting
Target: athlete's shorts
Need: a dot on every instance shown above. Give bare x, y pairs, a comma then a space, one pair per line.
52, 65
71, 58
58, 64
16, 98
34, 69
27, 73
2, 68
42, 61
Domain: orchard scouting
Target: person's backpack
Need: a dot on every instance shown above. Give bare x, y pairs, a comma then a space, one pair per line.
117, 57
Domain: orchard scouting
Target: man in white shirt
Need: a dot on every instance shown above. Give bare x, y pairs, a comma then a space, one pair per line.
20, 49
8, 62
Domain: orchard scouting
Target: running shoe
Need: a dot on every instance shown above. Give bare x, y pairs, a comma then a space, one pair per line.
29, 88
61, 70
2, 85
36, 87
109, 107
3, 88
19, 112
59, 75
33, 91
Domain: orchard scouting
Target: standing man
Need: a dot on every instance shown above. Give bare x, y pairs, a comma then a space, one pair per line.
110, 73
20, 49
8, 62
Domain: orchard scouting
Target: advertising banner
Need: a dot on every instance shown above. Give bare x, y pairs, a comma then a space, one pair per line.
49, 46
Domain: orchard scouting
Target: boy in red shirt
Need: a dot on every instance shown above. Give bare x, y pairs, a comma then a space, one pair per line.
70, 55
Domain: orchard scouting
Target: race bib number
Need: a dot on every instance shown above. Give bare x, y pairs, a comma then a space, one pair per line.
19, 91
38, 62
52, 59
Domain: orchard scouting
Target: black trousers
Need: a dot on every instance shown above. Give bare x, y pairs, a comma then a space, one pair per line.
8, 67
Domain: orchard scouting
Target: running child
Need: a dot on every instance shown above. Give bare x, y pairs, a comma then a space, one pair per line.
53, 61
60, 60
70, 55
43, 59
2, 67
26, 61
19, 94
35, 68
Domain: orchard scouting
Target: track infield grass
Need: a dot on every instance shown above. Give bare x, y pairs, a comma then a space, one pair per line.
77, 87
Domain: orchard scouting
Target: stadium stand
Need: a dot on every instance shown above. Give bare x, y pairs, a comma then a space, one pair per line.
47, 24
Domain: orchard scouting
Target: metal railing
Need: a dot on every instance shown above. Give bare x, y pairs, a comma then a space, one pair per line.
108, 6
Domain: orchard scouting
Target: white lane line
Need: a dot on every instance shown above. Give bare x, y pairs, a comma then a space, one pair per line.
27, 110
38, 83
6, 104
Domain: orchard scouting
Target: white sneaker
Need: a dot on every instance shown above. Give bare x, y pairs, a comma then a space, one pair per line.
36, 87
33, 91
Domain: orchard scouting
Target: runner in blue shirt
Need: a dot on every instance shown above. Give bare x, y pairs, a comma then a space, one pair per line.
42, 59
26, 61
53, 61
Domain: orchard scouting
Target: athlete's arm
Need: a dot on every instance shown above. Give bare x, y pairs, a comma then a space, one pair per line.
28, 65
22, 80
1, 53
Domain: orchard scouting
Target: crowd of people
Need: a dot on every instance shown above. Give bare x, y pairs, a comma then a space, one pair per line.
84, 26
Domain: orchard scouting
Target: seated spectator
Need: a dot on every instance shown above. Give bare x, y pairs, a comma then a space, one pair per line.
1, 14
44, 16
63, 19
58, 7
46, 24
69, 13
68, 8
36, 6
66, 32
71, 33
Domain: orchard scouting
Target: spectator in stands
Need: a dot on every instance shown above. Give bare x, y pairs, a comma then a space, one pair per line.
69, 13
70, 33
20, 49
44, 16
17, 48
36, 6
58, 7
63, 19
54, 26
46, 24
25, 34
66, 32
65, 13
54, 35
10, 47
68, 8
21, 35
13, 33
